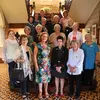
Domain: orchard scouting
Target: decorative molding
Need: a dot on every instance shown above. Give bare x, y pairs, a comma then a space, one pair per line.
81, 25
17, 25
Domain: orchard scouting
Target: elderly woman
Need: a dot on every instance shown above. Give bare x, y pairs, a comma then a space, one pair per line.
75, 35
58, 68
75, 68
53, 36
9, 49
38, 29
23, 56
56, 20
43, 22
32, 27
36, 19
90, 50
42, 64
27, 31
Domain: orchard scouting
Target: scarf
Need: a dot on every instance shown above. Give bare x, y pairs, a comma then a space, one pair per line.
26, 65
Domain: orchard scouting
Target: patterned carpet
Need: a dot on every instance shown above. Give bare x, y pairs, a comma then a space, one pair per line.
6, 94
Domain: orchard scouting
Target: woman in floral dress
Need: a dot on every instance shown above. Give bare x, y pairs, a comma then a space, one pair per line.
42, 64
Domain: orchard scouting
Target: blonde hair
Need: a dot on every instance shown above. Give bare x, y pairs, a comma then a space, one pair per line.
44, 19
39, 25
74, 41
55, 16
88, 34
75, 23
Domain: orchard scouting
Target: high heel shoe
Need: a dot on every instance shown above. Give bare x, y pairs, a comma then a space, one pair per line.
46, 95
40, 96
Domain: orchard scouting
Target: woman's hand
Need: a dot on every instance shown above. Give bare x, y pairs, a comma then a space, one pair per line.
58, 69
20, 60
37, 69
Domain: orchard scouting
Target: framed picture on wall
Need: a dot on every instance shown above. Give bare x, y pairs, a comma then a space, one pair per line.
88, 30
94, 30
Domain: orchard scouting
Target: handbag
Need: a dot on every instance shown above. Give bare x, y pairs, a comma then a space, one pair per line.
18, 73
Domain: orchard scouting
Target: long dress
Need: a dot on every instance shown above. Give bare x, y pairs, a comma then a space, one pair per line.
43, 75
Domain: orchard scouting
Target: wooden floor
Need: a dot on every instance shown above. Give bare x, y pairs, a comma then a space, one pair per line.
6, 94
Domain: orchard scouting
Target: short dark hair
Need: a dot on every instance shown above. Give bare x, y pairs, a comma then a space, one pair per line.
60, 37
30, 17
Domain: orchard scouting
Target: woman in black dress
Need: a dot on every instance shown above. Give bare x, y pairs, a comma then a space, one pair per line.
58, 63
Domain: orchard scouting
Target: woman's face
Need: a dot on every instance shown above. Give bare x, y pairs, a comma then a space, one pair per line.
43, 22
44, 37
65, 14
75, 27
39, 29
36, 16
74, 46
56, 20
24, 41
42, 13
57, 29
88, 38
30, 19
11, 35
27, 31
60, 42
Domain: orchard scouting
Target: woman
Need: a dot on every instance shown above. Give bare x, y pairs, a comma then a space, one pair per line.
27, 31
43, 23
66, 21
42, 64
32, 27
58, 60
90, 50
75, 68
9, 49
53, 36
38, 29
75, 35
23, 56
36, 19
42, 14
56, 20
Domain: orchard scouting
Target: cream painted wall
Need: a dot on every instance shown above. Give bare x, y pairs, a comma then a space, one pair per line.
2, 32
19, 30
14, 10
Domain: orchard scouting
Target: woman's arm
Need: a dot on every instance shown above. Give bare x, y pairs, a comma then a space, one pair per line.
35, 58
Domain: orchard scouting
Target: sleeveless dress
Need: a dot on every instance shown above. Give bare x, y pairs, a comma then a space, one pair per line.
43, 75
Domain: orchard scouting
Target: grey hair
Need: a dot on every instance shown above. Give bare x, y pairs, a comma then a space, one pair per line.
57, 25
27, 27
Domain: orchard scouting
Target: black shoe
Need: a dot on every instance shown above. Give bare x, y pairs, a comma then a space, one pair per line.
77, 98
70, 95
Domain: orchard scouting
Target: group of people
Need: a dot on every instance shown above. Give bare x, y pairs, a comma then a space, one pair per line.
52, 55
